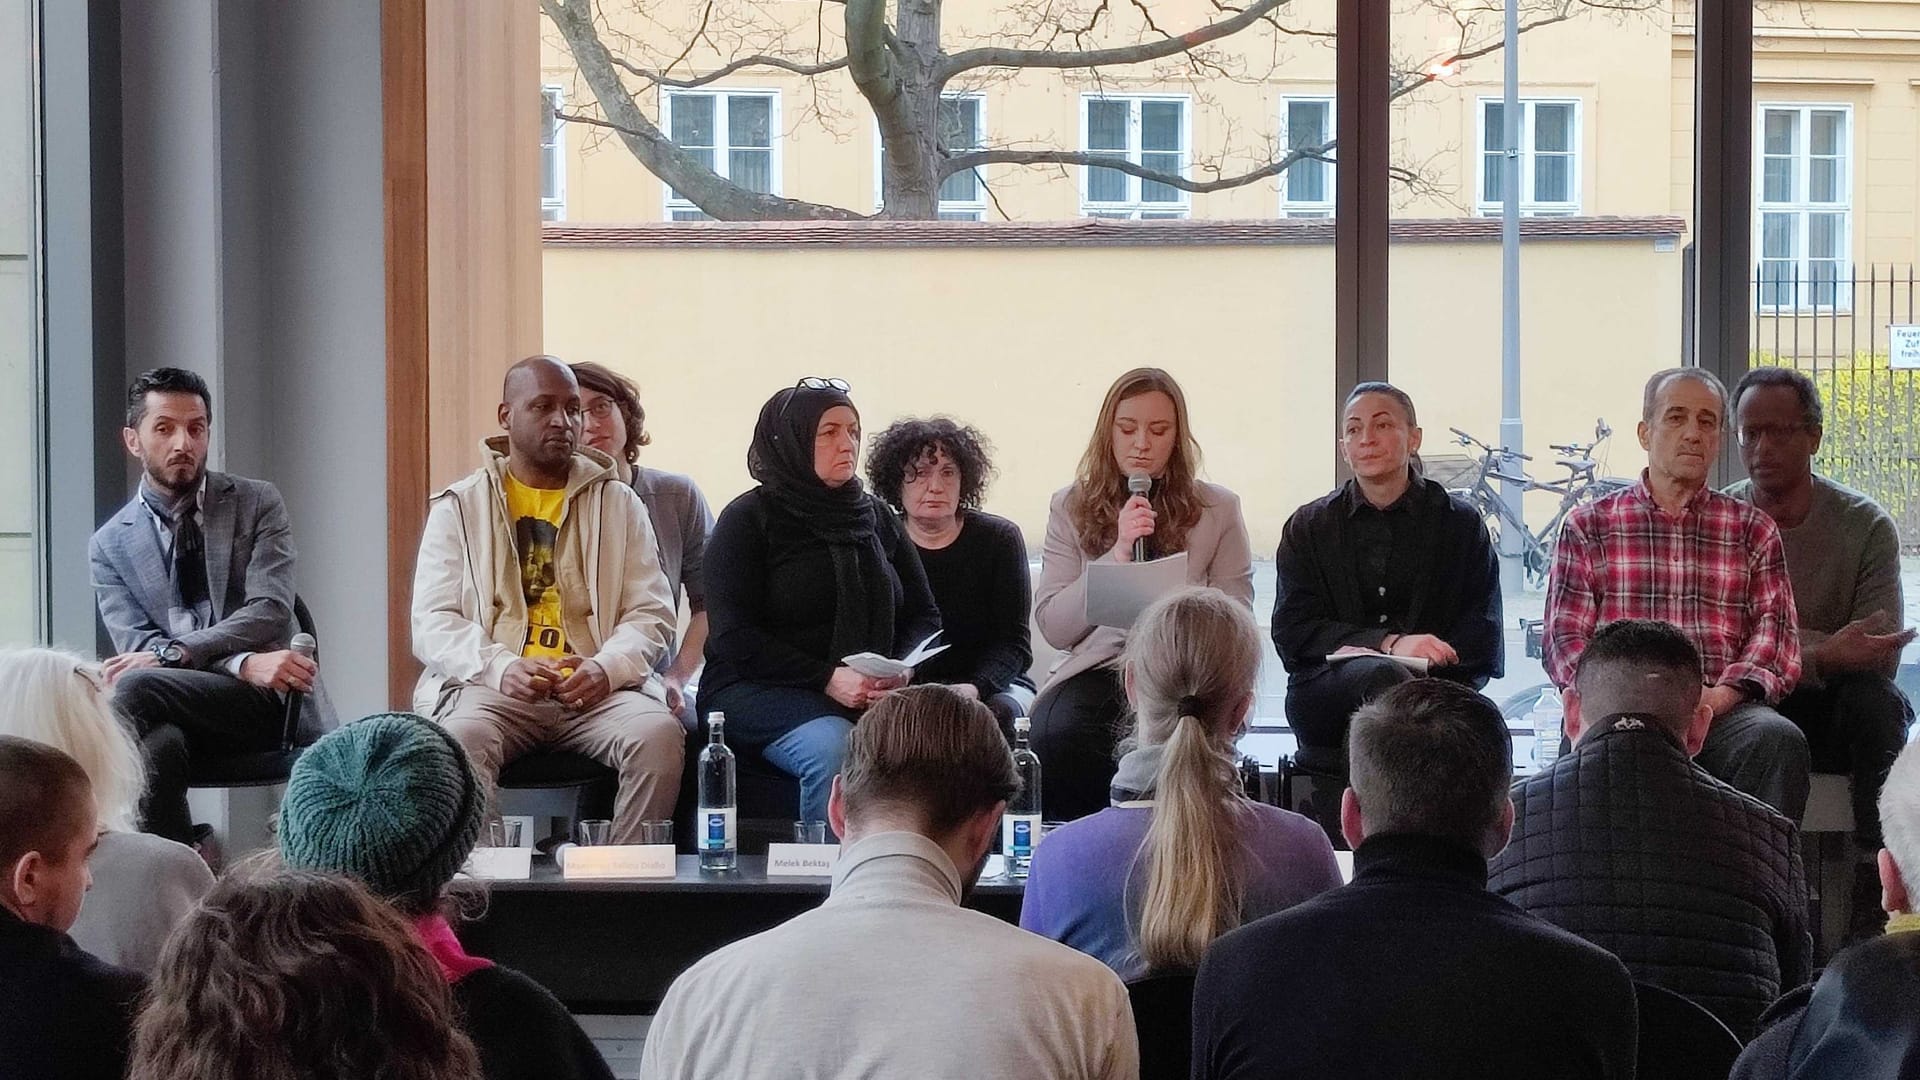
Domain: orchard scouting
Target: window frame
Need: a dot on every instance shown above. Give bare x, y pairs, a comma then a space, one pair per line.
553, 153
722, 150
1802, 207
975, 210
1575, 205
1134, 209
1292, 208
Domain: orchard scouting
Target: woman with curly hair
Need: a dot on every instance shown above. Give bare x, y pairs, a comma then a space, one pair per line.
933, 473
298, 976
1142, 433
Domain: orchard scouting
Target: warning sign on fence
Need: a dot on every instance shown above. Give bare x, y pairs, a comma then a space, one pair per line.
1903, 347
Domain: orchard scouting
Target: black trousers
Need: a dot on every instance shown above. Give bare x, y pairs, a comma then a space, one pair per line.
1320, 703
178, 713
1076, 725
1855, 724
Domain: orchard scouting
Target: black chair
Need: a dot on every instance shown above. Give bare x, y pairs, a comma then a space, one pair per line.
557, 783
259, 768
1681, 1040
1163, 1019
1311, 781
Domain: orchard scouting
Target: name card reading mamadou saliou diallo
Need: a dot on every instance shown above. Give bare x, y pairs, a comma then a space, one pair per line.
603, 861
802, 860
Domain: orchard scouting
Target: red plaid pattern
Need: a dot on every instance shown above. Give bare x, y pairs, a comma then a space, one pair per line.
1717, 571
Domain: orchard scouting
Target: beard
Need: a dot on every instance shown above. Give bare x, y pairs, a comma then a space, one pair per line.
157, 476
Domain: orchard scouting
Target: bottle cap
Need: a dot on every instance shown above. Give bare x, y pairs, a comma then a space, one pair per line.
716, 719
1022, 723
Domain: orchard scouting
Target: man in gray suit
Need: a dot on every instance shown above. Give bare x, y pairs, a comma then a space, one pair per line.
194, 579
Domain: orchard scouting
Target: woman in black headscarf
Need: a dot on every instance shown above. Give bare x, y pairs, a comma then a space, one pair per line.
801, 571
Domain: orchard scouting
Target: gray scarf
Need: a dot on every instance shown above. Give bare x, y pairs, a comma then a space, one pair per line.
1138, 774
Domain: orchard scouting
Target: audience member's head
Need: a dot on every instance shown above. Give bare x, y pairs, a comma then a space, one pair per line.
169, 425
1191, 664
1433, 758
1640, 668
56, 698
926, 760
540, 412
47, 830
390, 800
295, 976
1682, 417
615, 421
1778, 420
1900, 825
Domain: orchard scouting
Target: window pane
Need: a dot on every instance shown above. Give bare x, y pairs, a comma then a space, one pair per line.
1829, 127
1307, 124
1495, 127
1780, 128
960, 187
1825, 234
1493, 183
1777, 283
1107, 125
549, 122
1553, 178
960, 123
1160, 125
1106, 185
1823, 180
693, 121
1823, 278
751, 169
1153, 190
1307, 181
1776, 180
1552, 128
690, 215
750, 121
960, 215
1777, 236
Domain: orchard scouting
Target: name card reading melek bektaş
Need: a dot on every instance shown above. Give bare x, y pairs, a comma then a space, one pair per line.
802, 860
602, 861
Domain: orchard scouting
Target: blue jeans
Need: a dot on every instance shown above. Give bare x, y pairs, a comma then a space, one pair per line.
812, 752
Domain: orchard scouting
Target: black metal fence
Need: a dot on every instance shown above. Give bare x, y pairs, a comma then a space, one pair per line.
1836, 328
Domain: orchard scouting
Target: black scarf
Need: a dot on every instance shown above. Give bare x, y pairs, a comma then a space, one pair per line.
844, 518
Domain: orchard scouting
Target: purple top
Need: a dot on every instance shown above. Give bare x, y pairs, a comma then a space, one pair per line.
1083, 888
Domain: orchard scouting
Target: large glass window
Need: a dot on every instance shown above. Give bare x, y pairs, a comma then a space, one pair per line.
1803, 224
732, 133
1151, 132
1549, 157
1307, 128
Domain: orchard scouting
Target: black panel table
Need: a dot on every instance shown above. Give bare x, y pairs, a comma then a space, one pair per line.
612, 947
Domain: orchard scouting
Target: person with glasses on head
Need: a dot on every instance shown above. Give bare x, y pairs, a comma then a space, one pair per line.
1141, 438
143, 885
934, 472
1843, 555
615, 423
1672, 549
804, 570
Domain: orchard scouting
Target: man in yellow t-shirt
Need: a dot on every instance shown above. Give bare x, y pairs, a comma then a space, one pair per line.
535, 513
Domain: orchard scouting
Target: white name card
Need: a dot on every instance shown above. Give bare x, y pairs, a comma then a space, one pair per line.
1903, 347
501, 863
802, 860
585, 863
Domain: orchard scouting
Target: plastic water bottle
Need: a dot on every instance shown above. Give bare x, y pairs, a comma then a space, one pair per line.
1020, 828
719, 843
1547, 718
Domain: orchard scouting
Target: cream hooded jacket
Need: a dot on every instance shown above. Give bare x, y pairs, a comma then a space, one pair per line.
469, 613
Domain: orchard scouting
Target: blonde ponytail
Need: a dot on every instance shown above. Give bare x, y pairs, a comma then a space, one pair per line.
1195, 657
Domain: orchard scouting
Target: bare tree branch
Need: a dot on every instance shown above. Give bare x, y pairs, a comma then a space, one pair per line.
975, 158
1123, 54
781, 63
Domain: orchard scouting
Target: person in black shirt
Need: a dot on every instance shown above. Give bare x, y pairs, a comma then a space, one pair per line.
803, 571
1390, 563
934, 472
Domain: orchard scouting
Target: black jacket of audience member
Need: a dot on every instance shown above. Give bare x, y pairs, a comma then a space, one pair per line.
522, 1031
64, 1014
1414, 969
1319, 607
1859, 1020
1695, 886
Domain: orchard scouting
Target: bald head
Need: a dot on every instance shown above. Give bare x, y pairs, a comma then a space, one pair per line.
1643, 667
540, 410
530, 376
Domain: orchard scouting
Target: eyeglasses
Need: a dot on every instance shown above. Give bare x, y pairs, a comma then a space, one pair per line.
600, 409
90, 674
814, 382
1755, 434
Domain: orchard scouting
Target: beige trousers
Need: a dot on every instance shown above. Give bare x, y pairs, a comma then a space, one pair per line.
631, 733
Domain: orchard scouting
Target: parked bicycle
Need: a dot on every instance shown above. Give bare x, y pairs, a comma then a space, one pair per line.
1498, 464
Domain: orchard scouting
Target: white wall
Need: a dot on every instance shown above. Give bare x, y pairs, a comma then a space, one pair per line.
18, 573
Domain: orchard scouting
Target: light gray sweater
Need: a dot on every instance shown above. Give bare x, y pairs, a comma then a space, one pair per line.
891, 977
142, 887
1844, 561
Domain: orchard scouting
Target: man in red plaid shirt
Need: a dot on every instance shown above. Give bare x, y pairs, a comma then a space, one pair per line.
1673, 549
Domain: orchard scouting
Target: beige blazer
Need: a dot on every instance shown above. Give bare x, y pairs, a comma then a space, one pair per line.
1218, 554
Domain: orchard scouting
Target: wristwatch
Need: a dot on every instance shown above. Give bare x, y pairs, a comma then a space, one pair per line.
169, 653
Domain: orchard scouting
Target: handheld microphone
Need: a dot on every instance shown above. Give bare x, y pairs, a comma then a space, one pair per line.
1139, 484
307, 647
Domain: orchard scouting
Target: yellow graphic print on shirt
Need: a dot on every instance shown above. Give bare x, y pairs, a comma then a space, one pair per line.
535, 513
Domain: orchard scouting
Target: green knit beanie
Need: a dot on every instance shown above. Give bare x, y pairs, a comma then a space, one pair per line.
390, 799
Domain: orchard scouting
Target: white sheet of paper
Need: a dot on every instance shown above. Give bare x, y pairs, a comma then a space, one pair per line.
618, 861
876, 666
1344, 860
1118, 592
801, 860
501, 864
1416, 664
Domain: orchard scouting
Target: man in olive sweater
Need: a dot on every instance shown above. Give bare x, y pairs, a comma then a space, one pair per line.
1843, 555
